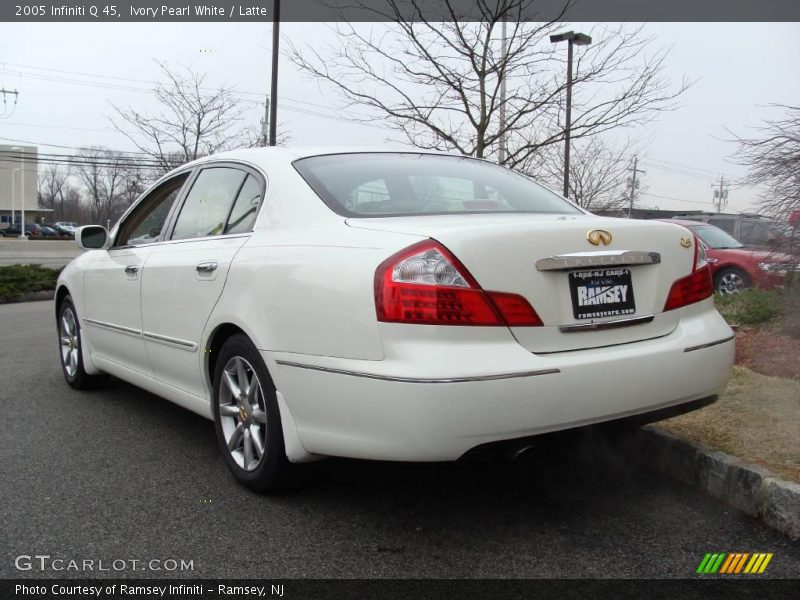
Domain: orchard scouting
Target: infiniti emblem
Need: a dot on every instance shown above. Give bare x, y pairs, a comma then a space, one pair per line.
598, 236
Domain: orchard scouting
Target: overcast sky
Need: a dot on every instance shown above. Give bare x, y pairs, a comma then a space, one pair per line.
65, 74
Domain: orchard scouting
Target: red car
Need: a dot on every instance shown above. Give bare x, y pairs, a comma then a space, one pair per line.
734, 267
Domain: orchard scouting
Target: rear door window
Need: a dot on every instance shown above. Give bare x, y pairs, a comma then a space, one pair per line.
208, 204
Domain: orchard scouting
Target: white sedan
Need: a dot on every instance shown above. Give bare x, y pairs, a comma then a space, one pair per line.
387, 305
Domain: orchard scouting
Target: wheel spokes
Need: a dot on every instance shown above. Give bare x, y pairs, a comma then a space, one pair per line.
231, 384
236, 437
228, 410
258, 443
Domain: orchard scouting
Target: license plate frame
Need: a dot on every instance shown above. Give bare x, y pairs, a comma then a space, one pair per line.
602, 293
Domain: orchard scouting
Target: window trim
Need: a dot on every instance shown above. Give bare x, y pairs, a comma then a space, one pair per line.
246, 168
143, 199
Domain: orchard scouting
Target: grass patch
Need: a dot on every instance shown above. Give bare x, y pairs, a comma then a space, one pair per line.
751, 307
757, 419
17, 280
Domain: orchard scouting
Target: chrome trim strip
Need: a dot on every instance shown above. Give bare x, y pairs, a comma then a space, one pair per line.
287, 363
119, 328
709, 345
182, 344
581, 327
612, 258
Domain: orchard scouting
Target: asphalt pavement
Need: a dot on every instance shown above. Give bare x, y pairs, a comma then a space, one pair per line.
118, 474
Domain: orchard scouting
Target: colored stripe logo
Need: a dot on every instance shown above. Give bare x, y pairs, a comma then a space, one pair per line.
734, 563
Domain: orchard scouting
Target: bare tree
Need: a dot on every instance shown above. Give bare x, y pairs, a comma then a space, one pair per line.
103, 174
772, 157
192, 121
598, 174
52, 183
439, 84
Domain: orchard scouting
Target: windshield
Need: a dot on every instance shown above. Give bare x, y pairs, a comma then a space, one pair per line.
715, 238
398, 184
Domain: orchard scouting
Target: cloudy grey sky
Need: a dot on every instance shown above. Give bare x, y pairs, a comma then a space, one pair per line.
69, 74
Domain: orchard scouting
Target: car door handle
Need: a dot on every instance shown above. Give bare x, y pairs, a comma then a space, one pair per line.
206, 267
131, 269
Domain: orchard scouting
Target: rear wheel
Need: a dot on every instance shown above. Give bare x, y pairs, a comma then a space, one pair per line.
731, 281
71, 350
247, 418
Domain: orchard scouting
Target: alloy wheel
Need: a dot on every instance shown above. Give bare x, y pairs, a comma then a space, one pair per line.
242, 413
731, 283
69, 336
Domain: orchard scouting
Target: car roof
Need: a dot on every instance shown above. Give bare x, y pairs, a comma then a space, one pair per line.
292, 153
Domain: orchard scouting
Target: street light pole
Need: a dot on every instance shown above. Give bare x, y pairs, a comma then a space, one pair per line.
572, 38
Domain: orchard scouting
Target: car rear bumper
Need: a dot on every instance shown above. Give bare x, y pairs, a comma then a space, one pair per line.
437, 400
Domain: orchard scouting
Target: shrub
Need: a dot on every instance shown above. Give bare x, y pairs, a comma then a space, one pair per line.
751, 307
16, 280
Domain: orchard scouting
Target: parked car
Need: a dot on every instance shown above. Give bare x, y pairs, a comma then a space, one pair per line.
387, 305
752, 231
735, 267
45, 231
16, 229
65, 228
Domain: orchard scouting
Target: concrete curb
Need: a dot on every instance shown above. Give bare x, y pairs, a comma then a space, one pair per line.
750, 488
28, 297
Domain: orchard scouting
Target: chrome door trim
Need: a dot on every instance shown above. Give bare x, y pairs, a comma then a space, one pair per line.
710, 344
112, 327
608, 258
581, 327
287, 363
170, 341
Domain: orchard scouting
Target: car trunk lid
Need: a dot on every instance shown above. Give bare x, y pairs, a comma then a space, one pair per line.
587, 295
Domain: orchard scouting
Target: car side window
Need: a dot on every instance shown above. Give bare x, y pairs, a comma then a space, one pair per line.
245, 208
727, 225
206, 209
145, 223
754, 233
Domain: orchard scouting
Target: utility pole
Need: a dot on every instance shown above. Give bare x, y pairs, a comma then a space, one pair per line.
273, 107
721, 193
501, 153
5, 93
265, 123
633, 183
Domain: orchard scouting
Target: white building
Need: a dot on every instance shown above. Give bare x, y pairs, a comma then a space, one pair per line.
19, 166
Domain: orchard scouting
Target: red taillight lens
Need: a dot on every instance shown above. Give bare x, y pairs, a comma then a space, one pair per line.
426, 284
516, 311
695, 287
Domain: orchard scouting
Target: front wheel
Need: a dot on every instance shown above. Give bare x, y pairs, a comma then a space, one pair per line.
731, 281
247, 418
71, 349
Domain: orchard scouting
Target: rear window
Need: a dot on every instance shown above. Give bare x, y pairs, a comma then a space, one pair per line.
397, 184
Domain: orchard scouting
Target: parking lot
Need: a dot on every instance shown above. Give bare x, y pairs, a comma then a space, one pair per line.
43, 252
120, 474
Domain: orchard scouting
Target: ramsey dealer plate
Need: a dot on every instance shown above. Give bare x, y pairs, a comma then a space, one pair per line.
601, 293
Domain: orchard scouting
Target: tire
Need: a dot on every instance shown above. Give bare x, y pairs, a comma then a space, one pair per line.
731, 281
71, 349
248, 425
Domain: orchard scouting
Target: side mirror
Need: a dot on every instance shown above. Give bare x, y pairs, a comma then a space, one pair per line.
91, 237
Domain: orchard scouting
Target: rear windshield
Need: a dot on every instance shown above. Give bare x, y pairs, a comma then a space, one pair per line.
398, 184
715, 238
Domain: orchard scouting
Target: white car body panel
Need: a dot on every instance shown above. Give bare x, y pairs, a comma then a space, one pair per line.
176, 301
301, 287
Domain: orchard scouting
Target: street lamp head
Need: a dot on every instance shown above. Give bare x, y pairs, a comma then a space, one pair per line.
579, 39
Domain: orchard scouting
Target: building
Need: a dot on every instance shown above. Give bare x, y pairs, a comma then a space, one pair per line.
19, 169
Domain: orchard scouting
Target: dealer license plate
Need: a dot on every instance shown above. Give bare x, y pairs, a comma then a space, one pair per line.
601, 293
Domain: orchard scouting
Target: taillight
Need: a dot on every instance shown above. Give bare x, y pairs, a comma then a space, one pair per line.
426, 284
694, 287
